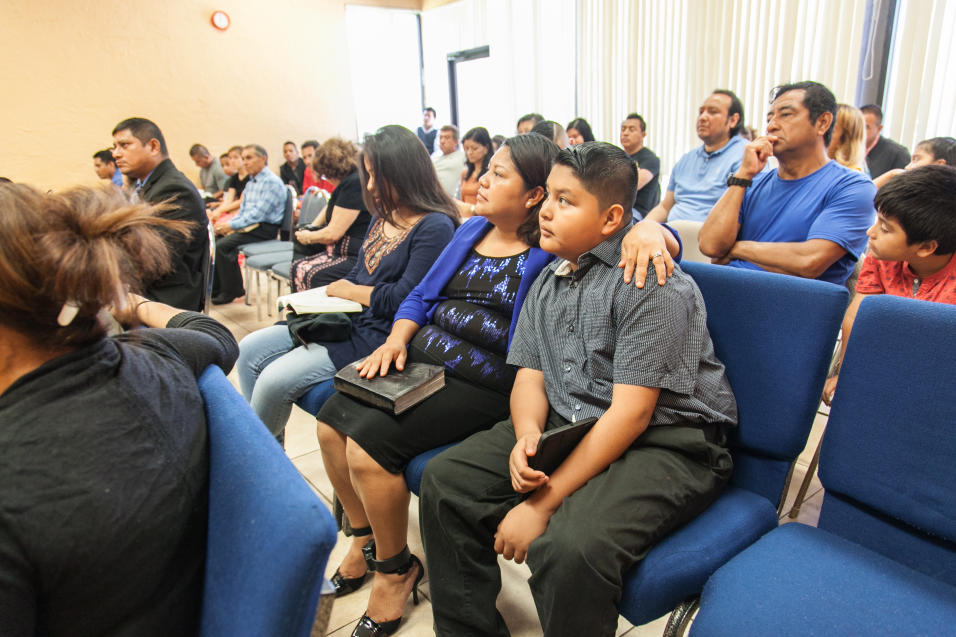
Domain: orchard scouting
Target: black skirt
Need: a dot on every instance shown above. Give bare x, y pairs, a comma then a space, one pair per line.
451, 415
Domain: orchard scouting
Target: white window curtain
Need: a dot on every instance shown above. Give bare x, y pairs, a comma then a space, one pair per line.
921, 81
530, 67
662, 59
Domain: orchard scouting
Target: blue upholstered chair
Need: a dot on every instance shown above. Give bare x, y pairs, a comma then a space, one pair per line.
260, 256
883, 559
775, 334
269, 535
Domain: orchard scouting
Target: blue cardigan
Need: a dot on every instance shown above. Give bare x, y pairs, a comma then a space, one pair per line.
421, 302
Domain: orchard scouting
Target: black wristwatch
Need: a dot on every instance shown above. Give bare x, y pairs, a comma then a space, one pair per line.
737, 181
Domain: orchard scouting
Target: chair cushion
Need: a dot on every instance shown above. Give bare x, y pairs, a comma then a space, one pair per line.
415, 468
798, 580
283, 269
266, 260
312, 400
677, 567
261, 247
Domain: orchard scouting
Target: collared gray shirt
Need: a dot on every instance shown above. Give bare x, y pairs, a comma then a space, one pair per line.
587, 330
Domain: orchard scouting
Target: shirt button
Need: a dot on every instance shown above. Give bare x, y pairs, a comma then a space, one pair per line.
570, 327
577, 408
567, 368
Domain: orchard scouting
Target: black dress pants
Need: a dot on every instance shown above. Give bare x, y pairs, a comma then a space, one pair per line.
228, 279
600, 531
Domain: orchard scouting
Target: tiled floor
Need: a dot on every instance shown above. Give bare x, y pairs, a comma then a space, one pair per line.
515, 601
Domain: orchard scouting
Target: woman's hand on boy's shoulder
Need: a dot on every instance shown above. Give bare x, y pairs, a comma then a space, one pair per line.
644, 243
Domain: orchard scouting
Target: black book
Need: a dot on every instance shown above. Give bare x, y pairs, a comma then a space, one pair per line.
397, 392
556, 444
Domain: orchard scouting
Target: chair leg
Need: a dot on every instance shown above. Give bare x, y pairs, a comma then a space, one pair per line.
258, 296
802, 492
680, 617
248, 283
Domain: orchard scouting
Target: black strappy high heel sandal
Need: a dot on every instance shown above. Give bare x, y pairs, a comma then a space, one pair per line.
398, 565
346, 585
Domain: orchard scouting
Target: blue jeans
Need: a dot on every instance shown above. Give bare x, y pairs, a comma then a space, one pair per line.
273, 373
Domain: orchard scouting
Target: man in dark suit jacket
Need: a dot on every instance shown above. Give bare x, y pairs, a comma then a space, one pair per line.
140, 152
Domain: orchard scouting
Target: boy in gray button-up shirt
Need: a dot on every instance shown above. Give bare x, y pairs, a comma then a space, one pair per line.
587, 344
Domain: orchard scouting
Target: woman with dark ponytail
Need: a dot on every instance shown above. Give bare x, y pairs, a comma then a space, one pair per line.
104, 475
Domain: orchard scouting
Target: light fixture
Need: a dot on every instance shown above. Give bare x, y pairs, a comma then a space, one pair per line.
220, 20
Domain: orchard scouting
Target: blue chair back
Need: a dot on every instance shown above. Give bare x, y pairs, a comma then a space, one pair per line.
285, 228
775, 334
888, 461
269, 535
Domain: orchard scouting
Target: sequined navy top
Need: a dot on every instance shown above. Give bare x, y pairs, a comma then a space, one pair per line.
469, 331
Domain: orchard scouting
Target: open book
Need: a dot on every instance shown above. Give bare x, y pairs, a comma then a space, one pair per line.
316, 301
396, 392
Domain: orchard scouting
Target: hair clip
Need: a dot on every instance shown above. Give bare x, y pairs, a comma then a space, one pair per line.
67, 313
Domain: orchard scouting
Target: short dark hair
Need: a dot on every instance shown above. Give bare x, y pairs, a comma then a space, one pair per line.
638, 118
105, 156
550, 129
310, 143
225, 155
198, 150
534, 117
817, 99
432, 110
581, 125
289, 143
533, 157
236, 149
606, 171
736, 107
938, 146
450, 128
143, 130
923, 201
873, 109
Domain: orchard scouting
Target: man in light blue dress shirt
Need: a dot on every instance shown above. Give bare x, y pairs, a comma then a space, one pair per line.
259, 217
700, 177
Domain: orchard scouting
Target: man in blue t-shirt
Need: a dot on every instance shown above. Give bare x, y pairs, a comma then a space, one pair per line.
699, 178
807, 218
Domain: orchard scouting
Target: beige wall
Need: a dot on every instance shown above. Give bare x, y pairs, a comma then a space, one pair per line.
72, 70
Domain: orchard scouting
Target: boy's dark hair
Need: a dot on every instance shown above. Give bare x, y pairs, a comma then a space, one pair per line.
873, 109
143, 130
735, 107
939, 147
430, 109
817, 99
310, 143
606, 171
638, 118
105, 156
923, 201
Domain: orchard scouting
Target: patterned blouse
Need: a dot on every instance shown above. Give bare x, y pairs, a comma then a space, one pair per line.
469, 331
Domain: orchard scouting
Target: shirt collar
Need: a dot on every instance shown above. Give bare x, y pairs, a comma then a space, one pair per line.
731, 143
608, 251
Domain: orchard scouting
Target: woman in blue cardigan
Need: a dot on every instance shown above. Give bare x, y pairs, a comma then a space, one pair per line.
462, 315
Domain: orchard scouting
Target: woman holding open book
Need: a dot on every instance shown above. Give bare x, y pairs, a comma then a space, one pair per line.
413, 220
462, 316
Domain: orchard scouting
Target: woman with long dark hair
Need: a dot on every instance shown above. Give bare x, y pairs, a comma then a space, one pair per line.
478, 151
413, 220
579, 131
105, 472
461, 316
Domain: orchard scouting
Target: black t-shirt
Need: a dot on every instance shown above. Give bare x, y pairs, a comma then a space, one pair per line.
886, 155
104, 484
237, 184
348, 194
293, 176
650, 195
